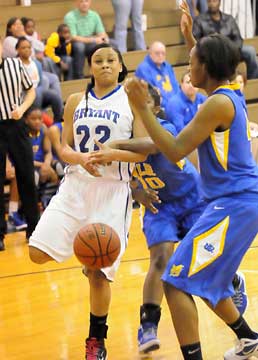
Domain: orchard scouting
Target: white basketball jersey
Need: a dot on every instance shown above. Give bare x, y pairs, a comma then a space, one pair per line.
107, 119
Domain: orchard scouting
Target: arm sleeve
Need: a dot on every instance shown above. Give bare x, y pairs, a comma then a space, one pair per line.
52, 43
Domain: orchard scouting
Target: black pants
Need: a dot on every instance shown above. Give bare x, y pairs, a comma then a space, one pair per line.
14, 141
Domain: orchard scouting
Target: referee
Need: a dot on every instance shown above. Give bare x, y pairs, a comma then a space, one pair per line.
16, 96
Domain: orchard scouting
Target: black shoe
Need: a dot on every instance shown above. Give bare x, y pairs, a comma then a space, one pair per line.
2, 247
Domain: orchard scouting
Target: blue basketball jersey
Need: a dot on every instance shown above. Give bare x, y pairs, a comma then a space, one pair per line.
226, 162
37, 146
172, 181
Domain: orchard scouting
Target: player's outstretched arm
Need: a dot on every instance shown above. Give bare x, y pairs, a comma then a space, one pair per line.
106, 154
206, 120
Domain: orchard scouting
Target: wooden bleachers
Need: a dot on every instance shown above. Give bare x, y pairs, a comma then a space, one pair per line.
162, 21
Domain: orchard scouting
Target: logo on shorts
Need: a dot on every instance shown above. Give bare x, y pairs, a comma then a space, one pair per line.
176, 270
209, 247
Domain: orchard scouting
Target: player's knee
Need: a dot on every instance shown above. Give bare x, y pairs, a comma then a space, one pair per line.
96, 278
160, 261
37, 256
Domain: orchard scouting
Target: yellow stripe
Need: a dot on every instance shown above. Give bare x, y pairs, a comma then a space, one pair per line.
223, 162
233, 86
225, 224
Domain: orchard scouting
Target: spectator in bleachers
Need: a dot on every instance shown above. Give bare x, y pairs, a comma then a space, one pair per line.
14, 30
32, 35
182, 106
41, 147
16, 95
58, 49
87, 30
158, 72
242, 81
14, 217
125, 9
215, 21
45, 96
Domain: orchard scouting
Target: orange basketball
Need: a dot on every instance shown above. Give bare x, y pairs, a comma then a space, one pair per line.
96, 246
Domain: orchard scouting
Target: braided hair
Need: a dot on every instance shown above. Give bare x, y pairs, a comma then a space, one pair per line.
122, 74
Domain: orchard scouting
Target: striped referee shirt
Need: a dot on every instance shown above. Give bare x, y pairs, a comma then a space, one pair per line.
14, 79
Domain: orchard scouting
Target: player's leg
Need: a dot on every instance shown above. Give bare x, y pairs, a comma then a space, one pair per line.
59, 224
112, 205
161, 232
100, 297
185, 320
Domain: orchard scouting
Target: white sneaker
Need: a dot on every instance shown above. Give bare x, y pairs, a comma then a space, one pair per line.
245, 348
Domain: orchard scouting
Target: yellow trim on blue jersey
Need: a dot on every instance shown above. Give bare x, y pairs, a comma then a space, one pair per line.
222, 228
222, 157
248, 131
181, 164
232, 86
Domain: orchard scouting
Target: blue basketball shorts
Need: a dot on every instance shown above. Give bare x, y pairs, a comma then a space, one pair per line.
206, 260
172, 221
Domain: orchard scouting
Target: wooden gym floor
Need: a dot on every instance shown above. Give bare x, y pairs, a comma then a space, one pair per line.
44, 309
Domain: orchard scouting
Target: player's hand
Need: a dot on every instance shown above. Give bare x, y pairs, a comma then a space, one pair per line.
92, 169
104, 156
17, 112
147, 197
186, 23
137, 92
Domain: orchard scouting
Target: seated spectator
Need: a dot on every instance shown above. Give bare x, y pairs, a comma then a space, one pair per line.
87, 30
58, 49
55, 136
14, 217
123, 11
182, 106
158, 72
32, 35
41, 147
215, 21
45, 96
14, 30
241, 80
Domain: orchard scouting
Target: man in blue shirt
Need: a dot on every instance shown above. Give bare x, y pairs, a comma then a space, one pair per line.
158, 72
182, 106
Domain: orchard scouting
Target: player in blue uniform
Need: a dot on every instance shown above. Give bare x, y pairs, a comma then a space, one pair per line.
176, 190
211, 252
41, 147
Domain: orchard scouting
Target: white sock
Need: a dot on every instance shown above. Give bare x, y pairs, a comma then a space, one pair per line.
13, 207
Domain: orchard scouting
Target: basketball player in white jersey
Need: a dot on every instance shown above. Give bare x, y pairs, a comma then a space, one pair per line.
102, 114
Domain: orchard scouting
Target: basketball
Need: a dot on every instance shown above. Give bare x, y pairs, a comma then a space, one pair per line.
96, 246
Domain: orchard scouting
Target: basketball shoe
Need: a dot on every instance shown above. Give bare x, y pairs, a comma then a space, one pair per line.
17, 221
95, 349
147, 338
240, 298
244, 349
